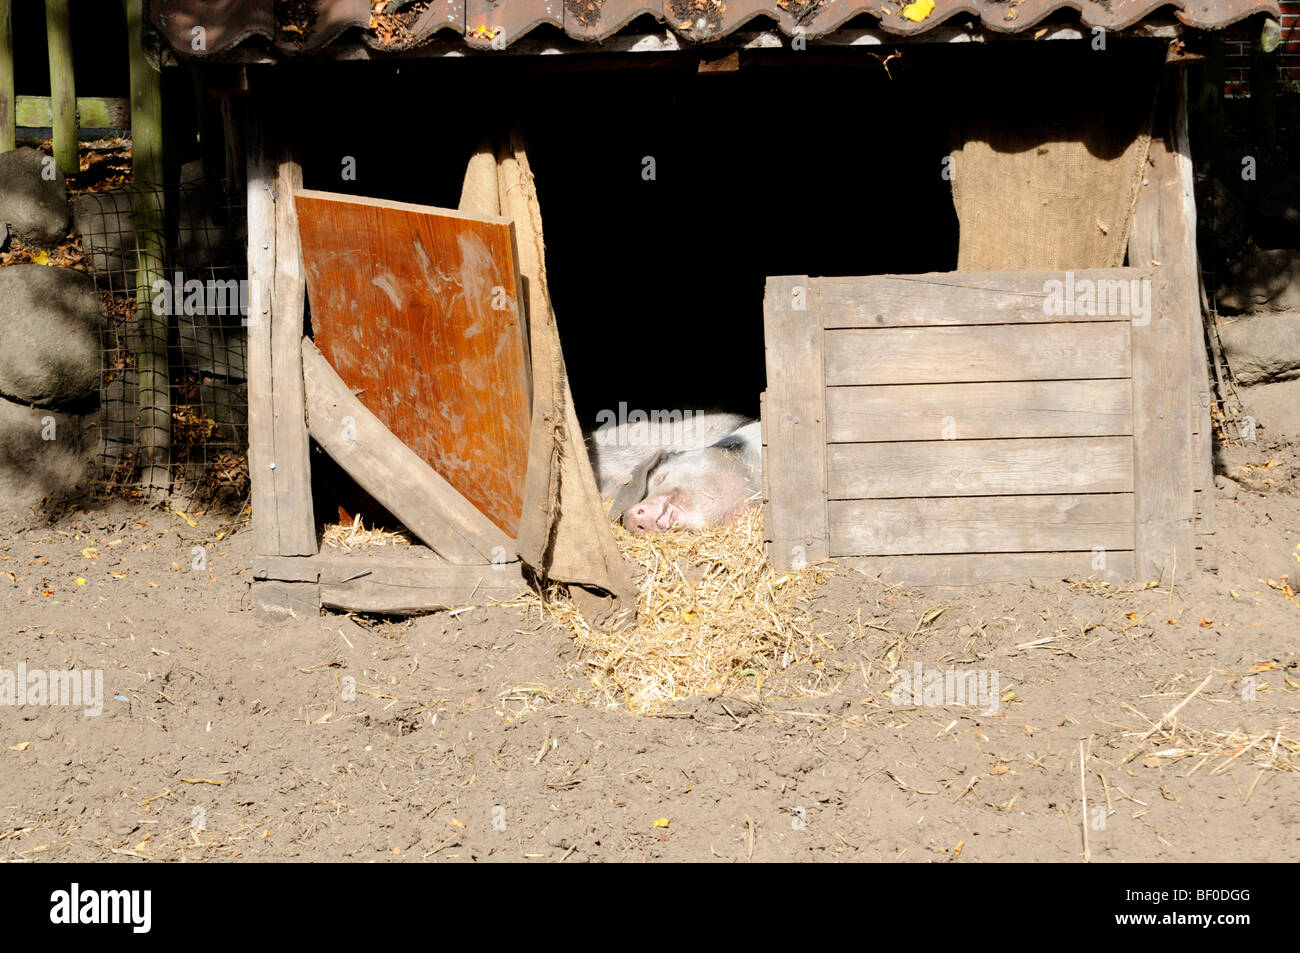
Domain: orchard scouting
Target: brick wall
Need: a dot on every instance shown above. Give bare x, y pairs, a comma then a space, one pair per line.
1238, 41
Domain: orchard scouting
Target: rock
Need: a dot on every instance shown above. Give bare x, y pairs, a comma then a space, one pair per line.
1263, 281
34, 205
1263, 347
43, 455
104, 222
1275, 406
1274, 200
49, 335
207, 238
118, 410
213, 344
1220, 217
1227, 488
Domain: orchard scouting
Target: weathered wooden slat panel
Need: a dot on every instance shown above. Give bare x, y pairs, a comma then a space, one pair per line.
794, 425
985, 524
978, 411
857, 471
418, 310
390, 471
953, 298
980, 569
983, 353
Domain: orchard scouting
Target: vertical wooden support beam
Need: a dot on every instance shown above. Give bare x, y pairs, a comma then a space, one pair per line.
8, 100
153, 389
63, 92
1164, 236
278, 463
1202, 461
288, 310
794, 423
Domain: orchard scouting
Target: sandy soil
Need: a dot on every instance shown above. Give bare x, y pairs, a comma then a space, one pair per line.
478, 736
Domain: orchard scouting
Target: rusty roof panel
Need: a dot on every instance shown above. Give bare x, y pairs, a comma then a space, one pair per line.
504, 21
598, 19
301, 26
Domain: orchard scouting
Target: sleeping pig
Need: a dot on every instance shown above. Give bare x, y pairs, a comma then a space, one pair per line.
686, 474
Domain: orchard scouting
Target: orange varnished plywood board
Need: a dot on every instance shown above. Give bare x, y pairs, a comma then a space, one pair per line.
417, 309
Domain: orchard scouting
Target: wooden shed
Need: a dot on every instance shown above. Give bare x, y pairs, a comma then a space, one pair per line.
948, 247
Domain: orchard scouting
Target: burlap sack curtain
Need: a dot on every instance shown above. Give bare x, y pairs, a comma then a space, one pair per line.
563, 531
1049, 156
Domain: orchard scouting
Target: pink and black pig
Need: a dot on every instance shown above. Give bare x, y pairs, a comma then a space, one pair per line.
680, 475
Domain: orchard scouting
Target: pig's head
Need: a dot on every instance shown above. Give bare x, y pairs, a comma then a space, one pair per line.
692, 489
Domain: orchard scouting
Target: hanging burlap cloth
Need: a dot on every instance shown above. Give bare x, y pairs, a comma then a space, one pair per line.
1047, 165
563, 531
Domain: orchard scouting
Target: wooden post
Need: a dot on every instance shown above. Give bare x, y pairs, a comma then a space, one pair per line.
794, 427
278, 462
1164, 349
63, 93
8, 99
150, 332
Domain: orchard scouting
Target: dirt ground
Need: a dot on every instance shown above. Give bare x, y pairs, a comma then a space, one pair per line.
477, 735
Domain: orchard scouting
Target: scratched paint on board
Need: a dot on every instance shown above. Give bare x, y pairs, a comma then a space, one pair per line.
417, 309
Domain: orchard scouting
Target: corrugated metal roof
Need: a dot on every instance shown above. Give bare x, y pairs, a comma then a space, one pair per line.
302, 26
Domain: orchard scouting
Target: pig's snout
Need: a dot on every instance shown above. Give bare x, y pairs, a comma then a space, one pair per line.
648, 516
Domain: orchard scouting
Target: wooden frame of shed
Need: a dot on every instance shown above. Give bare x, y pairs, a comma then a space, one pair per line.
294, 396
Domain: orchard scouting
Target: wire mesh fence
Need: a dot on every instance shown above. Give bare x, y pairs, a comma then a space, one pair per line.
177, 261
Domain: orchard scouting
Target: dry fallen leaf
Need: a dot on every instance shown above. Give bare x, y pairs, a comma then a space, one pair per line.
21, 746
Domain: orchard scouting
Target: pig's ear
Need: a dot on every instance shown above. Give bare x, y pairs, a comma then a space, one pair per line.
634, 490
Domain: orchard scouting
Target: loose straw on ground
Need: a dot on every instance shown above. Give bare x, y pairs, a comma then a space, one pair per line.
713, 618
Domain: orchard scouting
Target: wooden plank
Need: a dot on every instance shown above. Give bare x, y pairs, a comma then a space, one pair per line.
418, 309
393, 474
261, 272
955, 298
982, 569
8, 100
857, 471
395, 584
93, 112
983, 353
978, 411
293, 505
767, 489
277, 601
795, 465
1203, 445
1164, 231
984, 524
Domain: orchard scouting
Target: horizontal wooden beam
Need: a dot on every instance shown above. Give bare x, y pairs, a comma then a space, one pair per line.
93, 112
957, 298
858, 471
978, 569
978, 411
393, 474
994, 352
982, 524
389, 583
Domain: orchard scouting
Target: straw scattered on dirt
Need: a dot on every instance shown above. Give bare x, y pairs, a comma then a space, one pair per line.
713, 618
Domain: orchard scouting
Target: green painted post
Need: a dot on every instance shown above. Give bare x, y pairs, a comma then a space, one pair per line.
63, 91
